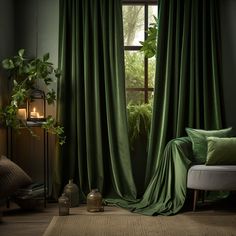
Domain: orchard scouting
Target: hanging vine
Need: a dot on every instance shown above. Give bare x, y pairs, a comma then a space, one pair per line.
24, 76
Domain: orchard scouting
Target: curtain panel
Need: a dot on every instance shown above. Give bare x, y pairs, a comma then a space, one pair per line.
187, 94
91, 100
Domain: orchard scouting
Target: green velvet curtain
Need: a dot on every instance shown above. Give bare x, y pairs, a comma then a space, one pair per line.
187, 94
91, 100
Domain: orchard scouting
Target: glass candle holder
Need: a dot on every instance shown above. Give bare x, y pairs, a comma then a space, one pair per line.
94, 201
72, 192
64, 205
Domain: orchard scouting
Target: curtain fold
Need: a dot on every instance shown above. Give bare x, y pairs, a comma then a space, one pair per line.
91, 100
91, 97
187, 92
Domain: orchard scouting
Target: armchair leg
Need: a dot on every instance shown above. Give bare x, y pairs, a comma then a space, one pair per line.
203, 196
195, 196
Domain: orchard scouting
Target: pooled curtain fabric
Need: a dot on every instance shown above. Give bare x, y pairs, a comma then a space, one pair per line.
166, 191
187, 94
91, 100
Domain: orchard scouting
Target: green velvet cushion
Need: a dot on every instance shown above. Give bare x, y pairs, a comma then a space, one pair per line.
221, 151
199, 141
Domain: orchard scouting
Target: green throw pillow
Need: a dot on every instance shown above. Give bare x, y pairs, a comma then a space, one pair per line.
221, 151
199, 141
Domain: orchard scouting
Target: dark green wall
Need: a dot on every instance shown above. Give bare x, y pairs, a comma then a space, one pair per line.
32, 25
228, 36
6, 49
37, 24
36, 30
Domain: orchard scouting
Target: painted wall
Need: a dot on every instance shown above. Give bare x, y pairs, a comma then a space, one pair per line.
36, 30
228, 36
37, 23
6, 49
37, 27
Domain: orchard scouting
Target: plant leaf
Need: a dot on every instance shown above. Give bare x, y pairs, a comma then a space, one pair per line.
8, 64
21, 52
46, 57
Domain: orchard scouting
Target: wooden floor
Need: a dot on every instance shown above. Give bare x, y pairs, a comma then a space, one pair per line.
17, 222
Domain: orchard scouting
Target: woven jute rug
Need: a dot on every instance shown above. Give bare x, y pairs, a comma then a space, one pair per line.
139, 225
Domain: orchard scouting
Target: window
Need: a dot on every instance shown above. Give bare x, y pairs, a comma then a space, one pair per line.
139, 71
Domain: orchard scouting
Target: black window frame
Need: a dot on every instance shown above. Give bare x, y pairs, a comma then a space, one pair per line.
146, 89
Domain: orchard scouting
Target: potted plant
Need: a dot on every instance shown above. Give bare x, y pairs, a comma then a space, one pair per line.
24, 76
139, 121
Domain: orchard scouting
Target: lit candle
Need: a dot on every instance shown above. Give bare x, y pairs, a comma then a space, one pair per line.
33, 114
21, 114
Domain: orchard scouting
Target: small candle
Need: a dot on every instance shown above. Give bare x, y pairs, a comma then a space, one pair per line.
21, 114
33, 114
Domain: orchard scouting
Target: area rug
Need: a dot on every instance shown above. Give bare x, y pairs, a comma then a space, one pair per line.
139, 225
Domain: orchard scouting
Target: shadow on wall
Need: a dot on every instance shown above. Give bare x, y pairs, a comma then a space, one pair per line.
228, 39
3, 101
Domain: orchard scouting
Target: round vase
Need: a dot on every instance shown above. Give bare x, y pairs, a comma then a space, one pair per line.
72, 192
94, 201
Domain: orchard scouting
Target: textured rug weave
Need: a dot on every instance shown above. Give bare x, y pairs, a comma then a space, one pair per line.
138, 225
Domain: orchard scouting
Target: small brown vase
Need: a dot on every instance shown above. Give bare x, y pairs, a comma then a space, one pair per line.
72, 192
64, 205
94, 201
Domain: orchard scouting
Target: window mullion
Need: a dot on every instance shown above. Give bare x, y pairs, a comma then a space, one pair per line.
145, 59
138, 89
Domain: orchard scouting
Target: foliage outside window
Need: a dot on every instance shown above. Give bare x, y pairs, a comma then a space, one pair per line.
140, 31
140, 38
25, 74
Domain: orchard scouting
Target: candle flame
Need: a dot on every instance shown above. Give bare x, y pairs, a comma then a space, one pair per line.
34, 109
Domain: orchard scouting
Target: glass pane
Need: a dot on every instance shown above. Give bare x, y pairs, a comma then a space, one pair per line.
150, 97
134, 69
151, 71
133, 22
135, 97
152, 11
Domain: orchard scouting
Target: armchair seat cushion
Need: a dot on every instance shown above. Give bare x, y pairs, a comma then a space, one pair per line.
220, 177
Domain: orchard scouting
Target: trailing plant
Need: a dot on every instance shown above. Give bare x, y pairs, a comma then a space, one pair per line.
24, 76
149, 46
139, 121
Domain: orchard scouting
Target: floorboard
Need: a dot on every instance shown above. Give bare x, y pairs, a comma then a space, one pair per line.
18, 222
